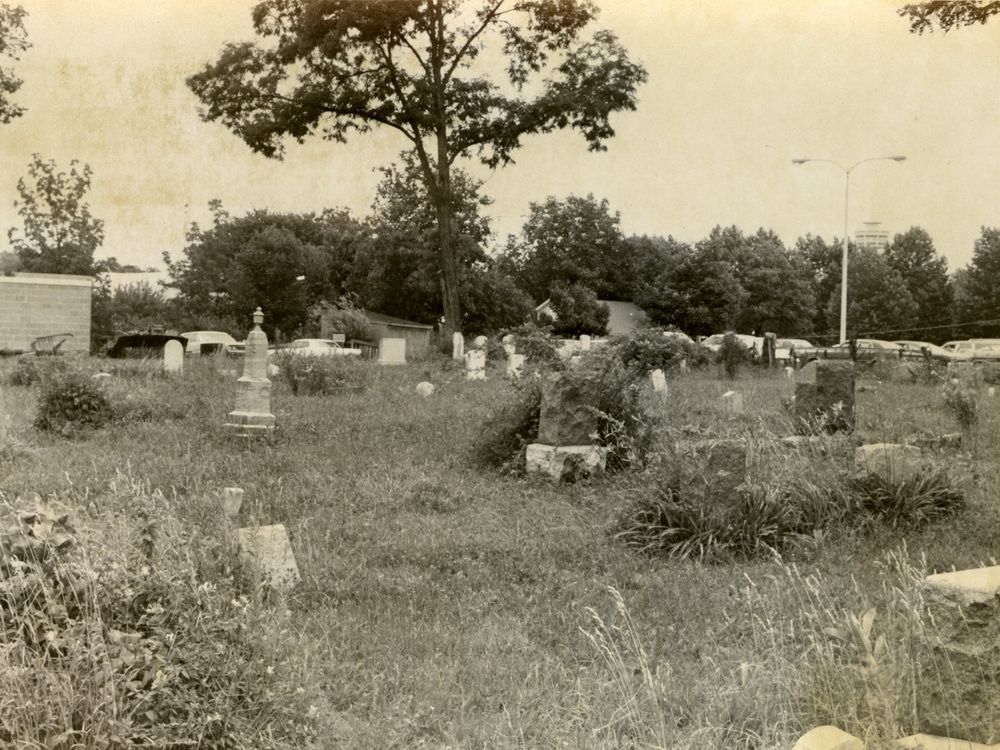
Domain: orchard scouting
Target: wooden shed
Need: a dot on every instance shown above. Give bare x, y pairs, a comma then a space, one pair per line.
417, 335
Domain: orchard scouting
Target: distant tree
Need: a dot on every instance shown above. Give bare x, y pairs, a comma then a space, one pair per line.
59, 233
13, 42
332, 66
878, 303
112, 265
948, 14
577, 311
979, 287
493, 302
573, 241
698, 292
823, 261
9, 263
256, 260
925, 273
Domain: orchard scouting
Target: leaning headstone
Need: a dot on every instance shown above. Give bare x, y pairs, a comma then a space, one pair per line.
515, 365
269, 549
457, 345
732, 402
425, 389
659, 381
475, 364
173, 356
252, 414
392, 351
893, 462
959, 658
585, 343
824, 395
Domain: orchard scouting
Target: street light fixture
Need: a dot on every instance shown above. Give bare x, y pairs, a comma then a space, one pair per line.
843, 262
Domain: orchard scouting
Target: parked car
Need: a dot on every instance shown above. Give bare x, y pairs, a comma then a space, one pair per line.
207, 342
784, 348
867, 351
916, 349
754, 343
316, 348
142, 345
977, 349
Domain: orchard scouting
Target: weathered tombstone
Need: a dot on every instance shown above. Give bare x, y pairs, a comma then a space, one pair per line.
824, 396
585, 343
789, 373
683, 366
515, 365
509, 345
392, 351
991, 391
565, 463
425, 389
567, 429
732, 402
479, 342
252, 414
957, 661
173, 356
659, 381
475, 364
457, 345
894, 462
269, 549
232, 501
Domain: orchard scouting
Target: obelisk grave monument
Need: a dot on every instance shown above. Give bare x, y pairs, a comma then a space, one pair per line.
252, 415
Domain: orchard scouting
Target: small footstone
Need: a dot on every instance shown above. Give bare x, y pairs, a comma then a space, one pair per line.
425, 389
732, 402
232, 501
659, 381
828, 738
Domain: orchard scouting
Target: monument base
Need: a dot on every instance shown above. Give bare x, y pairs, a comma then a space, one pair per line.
249, 423
560, 462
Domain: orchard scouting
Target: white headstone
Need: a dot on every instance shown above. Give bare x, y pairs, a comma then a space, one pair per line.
475, 364
585, 343
232, 501
732, 402
425, 389
173, 356
392, 351
659, 381
508, 344
789, 373
683, 365
270, 550
479, 342
457, 345
102, 377
515, 365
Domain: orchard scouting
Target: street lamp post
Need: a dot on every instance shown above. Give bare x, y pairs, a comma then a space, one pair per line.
843, 261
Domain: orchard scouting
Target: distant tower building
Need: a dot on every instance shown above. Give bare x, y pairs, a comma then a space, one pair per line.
872, 237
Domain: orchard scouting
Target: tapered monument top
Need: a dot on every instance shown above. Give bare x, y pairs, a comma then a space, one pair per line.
258, 317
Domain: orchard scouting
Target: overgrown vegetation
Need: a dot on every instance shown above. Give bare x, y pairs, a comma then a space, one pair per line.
319, 375
732, 355
645, 350
72, 401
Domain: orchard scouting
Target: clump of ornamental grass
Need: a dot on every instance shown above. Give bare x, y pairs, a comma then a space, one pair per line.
912, 503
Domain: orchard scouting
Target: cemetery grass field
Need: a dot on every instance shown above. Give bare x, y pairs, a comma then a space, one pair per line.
446, 606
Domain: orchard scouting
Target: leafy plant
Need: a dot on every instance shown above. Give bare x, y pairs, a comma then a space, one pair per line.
732, 355
537, 344
645, 350
319, 375
924, 498
961, 403
72, 401
506, 433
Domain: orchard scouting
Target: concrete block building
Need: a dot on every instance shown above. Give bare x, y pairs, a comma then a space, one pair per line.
33, 305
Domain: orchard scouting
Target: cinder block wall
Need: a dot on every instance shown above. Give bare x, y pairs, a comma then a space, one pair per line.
40, 304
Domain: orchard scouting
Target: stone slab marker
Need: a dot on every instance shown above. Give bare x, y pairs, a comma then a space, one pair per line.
252, 414
659, 381
457, 345
732, 402
567, 462
515, 365
269, 549
425, 388
824, 394
894, 462
828, 738
173, 356
567, 429
585, 343
475, 364
392, 351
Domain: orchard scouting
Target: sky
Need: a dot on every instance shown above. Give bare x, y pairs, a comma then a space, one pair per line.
736, 90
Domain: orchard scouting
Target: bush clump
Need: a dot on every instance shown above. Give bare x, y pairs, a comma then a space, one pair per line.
962, 403
732, 355
538, 346
319, 375
501, 442
912, 503
31, 370
72, 401
654, 349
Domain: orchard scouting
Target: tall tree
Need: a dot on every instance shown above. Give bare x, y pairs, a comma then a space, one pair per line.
13, 41
925, 273
878, 303
573, 241
59, 233
823, 260
979, 287
333, 66
948, 14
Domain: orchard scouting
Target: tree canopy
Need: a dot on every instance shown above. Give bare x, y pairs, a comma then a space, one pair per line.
948, 14
13, 42
59, 234
979, 287
330, 67
925, 273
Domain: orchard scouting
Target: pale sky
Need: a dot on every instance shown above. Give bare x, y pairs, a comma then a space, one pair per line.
737, 89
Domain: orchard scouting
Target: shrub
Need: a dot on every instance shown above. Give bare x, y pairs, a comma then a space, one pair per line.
504, 436
961, 403
31, 370
578, 311
103, 651
732, 355
319, 376
72, 401
646, 350
538, 345
353, 323
924, 498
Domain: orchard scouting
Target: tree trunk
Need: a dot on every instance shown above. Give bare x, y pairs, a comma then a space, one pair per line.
450, 299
